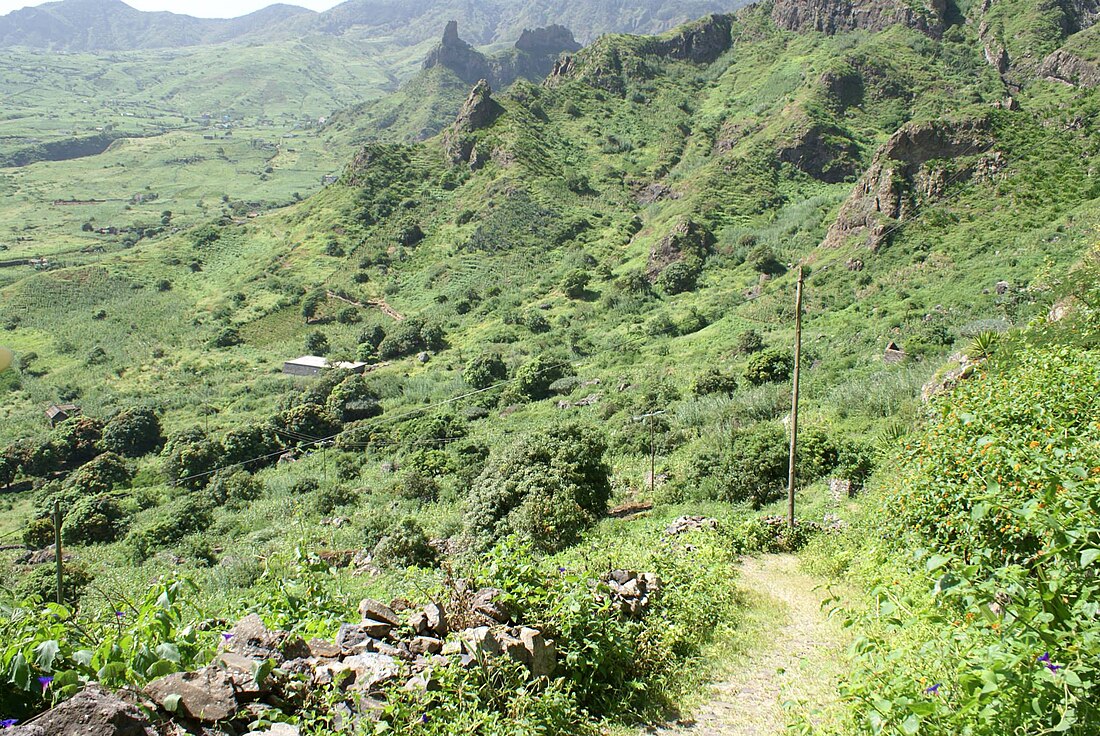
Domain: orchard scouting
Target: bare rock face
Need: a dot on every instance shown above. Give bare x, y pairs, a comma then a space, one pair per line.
206, 695
689, 240
839, 16
91, 712
458, 56
551, 40
1062, 66
479, 111
898, 177
823, 151
701, 42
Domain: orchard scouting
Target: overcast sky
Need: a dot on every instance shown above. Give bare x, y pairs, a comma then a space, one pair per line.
201, 8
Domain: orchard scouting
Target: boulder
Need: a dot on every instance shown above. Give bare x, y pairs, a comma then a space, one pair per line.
354, 635
437, 619
277, 729
426, 645
487, 605
371, 669
206, 695
541, 654
92, 712
239, 670
323, 649
250, 638
372, 609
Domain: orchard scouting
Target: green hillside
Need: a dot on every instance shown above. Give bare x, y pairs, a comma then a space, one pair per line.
577, 278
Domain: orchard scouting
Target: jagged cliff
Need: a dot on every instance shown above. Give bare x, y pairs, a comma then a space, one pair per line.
901, 175
532, 57
838, 16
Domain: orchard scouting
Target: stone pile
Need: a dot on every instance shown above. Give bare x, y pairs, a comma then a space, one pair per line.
690, 524
632, 592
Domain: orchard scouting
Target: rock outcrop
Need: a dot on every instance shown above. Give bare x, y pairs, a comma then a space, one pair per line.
688, 241
533, 57
839, 16
898, 177
91, 712
478, 112
1062, 66
700, 42
822, 150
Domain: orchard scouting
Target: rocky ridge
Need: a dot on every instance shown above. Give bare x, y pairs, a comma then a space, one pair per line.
838, 16
532, 57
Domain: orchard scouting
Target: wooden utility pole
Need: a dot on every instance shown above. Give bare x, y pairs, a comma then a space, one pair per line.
794, 398
652, 448
57, 552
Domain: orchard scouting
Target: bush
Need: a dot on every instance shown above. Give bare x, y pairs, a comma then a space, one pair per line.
94, 520
353, 399
185, 515
99, 476
547, 487
234, 487
38, 533
190, 458
770, 366
713, 381
417, 486
76, 441
329, 499
316, 343
678, 278
485, 370
307, 423
133, 433
252, 447
762, 260
409, 337
227, 338
535, 377
749, 342
405, 545
575, 284
41, 582
754, 466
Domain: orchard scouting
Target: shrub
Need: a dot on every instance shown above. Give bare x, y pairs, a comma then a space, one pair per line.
190, 458
233, 486
762, 260
575, 283
38, 533
227, 338
535, 377
409, 337
316, 343
485, 370
405, 545
678, 278
333, 497
548, 487
417, 486
754, 466
76, 441
99, 476
307, 422
353, 399
252, 446
749, 342
41, 582
770, 366
133, 433
536, 322
172, 522
713, 381
93, 520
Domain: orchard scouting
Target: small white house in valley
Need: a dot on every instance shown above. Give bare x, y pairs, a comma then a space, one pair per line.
312, 365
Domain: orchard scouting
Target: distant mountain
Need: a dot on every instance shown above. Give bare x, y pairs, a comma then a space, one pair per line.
112, 25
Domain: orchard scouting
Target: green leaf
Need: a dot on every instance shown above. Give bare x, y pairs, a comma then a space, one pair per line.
168, 651
935, 562
20, 672
160, 668
112, 673
1068, 719
1089, 556
172, 703
45, 654
910, 726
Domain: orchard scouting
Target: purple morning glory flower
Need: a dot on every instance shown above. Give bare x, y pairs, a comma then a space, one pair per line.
561, 569
227, 635
9, 723
45, 681
933, 689
1045, 659
424, 718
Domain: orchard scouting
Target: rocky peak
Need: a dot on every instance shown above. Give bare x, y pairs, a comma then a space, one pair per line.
701, 42
549, 41
458, 56
480, 109
838, 16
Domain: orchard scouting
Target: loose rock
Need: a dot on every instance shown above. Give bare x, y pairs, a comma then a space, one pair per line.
206, 695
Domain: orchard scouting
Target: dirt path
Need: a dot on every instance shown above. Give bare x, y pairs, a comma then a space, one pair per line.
795, 661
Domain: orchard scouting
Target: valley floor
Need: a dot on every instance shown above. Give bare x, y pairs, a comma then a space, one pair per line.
793, 669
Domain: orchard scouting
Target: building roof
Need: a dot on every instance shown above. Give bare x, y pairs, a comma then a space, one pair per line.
316, 361
55, 409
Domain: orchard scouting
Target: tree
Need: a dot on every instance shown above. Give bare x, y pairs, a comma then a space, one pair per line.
353, 399
76, 441
762, 260
575, 283
133, 433
754, 468
770, 366
252, 447
533, 379
749, 342
714, 381
485, 370
100, 476
405, 544
312, 302
678, 278
316, 343
308, 420
189, 459
547, 487
95, 519
227, 338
